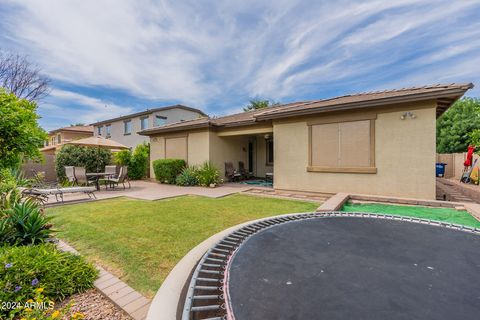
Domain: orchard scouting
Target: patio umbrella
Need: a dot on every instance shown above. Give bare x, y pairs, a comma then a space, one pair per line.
99, 142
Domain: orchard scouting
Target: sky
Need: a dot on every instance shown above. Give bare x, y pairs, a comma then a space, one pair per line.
108, 58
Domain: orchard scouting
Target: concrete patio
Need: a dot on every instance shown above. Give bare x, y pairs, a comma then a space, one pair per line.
147, 190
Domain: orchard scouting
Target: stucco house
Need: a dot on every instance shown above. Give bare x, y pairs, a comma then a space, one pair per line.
124, 129
60, 136
380, 143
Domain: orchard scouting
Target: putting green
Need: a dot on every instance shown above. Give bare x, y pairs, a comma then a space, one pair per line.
438, 214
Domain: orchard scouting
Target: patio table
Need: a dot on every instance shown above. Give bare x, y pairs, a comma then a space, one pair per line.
97, 176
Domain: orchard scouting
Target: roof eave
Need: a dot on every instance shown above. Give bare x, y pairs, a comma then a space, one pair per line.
149, 111
155, 131
457, 92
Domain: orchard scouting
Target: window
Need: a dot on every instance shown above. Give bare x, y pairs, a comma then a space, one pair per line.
46, 143
144, 123
53, 140
99, 130
176, 148
59, 138
342, 147
127, 127
108, 131
269, 148
160, 121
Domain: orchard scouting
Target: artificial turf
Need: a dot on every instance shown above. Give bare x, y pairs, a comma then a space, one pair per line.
438, 214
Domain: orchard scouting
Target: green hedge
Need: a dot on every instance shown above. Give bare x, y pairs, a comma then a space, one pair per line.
167, 170
92, 158
137, 161
27, 268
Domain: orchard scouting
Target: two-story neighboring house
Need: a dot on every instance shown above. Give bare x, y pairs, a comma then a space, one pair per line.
63, 135
124, 129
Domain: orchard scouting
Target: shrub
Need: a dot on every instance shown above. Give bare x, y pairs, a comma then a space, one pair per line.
167, 170
188, 177
8, 182
136, 161
31, 311
140, 161
20, 133
123, 157
92, 158
23, 270
29, 223
207, 174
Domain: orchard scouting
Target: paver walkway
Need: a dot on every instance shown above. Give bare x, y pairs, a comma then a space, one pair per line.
452, 190
124, 296
295, 195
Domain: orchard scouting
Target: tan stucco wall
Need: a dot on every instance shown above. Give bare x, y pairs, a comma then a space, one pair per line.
197, 144
404, 156
134, 139
66, 136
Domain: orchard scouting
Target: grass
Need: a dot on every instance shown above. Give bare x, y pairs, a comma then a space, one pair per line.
438, 214
141, 241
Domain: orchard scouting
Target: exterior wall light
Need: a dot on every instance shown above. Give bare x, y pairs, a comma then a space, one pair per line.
408, 114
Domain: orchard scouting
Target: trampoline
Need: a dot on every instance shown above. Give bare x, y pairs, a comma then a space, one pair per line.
339, 266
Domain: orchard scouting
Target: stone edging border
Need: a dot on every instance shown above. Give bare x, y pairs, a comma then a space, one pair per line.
336, 202
123, 296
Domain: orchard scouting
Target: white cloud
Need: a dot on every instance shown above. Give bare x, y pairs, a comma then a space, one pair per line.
220, 53
83, 109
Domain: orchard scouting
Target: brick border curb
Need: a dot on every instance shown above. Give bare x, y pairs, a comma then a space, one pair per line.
123, 296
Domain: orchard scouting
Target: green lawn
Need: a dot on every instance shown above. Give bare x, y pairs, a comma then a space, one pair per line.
438, 214
141, 241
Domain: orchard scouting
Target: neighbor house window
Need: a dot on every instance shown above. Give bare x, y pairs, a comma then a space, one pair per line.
99, 130
269, 149
127, 127
53, 140
342, 147
59, 138
160, 121
144, 123
108, 131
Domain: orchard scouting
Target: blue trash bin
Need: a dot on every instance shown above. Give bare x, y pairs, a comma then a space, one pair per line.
440, 169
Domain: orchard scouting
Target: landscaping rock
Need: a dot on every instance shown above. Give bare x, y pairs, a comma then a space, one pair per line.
95, 306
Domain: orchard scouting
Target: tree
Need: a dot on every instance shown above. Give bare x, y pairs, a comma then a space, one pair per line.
257, 103
94, 159
19, 76
137, 161
20, 133
455, 126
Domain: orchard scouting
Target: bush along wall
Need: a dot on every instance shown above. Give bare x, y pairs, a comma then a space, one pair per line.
92, 158
137, 161
167, 170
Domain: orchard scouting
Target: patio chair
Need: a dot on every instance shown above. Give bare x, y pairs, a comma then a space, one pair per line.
241, 169
121, 178
70, 173
112, 170
230, 173
81, 177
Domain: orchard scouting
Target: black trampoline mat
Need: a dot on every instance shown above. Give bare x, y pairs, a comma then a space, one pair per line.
356, 268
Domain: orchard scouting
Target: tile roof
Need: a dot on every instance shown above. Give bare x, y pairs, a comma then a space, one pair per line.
74, 128
448, 92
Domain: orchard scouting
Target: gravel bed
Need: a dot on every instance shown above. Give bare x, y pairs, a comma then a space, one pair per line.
95, 306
